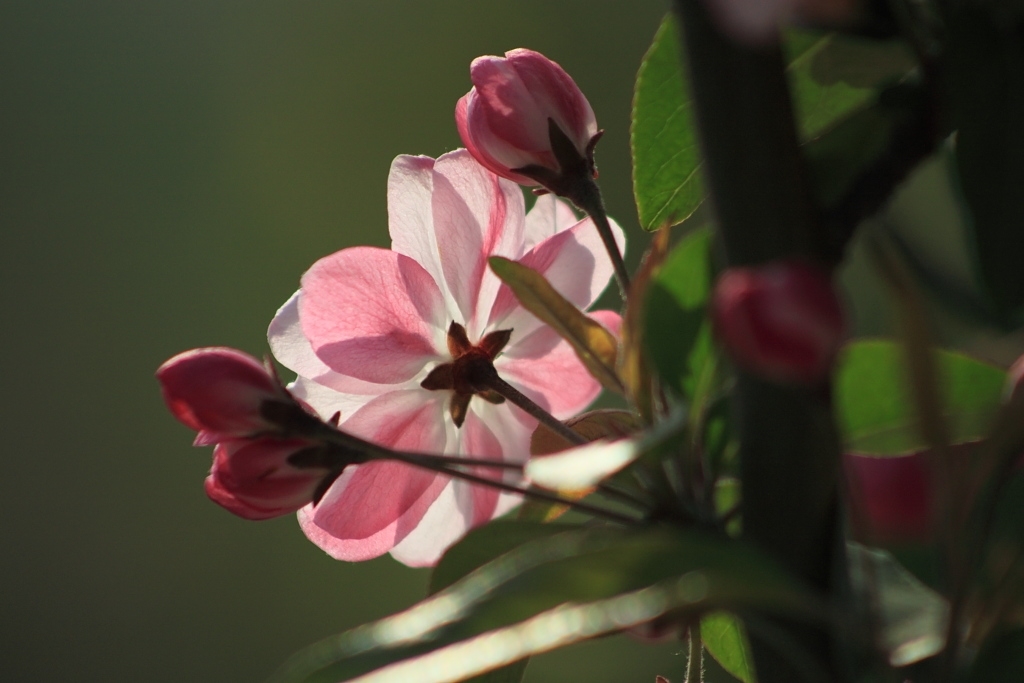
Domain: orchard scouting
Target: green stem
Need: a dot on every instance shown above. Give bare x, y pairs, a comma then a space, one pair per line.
695, 662
761, 195
588, 198
522, 401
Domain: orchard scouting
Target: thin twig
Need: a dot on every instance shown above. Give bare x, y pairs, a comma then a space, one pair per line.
521, 400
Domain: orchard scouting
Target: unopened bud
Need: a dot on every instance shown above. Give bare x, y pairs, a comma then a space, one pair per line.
782, 321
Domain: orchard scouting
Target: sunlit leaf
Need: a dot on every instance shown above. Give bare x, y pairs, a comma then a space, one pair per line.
910, 617
667, 183
592, 425
554, 592
582, 468
876, 415
724, 638
596, 347
476, 549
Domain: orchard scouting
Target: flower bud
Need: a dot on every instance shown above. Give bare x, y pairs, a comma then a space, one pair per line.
526, 115
891, 497
219, 392
266, 477
757, 22
782, 321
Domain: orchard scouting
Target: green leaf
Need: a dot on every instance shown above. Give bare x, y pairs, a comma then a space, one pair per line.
875, 414
830, 76
725, 639
678, 333
840, 154
595, 346
553, 592
911, 618
667, 183
986, 95
476, 549
833, 74
484, 544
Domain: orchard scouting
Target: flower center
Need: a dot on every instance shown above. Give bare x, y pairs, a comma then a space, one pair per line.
471, 371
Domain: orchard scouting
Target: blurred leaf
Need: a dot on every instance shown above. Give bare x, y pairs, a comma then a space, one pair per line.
877, 417
727, 495
678, 333
726, 641
833, 74
592, 425
839, 155
483, 544
634, 368
596, 347
985, 67
911, 617
550, 593
1001, 659
476, 549
667, 183
581, 469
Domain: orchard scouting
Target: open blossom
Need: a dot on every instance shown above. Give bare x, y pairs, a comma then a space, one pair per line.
505, 120
258, 472
381, 336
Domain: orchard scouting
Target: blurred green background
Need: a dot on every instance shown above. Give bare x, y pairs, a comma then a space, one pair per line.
167, 172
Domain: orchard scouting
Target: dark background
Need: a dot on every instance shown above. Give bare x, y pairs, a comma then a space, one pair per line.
167, 172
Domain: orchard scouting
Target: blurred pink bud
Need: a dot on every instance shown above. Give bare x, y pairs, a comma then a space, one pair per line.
219, 392
757, 22
890, 496
782, 321
267, 477
508, 120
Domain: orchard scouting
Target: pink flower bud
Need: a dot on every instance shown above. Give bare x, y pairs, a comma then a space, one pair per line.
891, 498
758, 22
219, 392
504, 119
259, 479
782, 321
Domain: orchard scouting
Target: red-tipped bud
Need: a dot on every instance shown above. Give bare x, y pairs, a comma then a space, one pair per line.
782, 321
891, 498
504, 119
219, 392
259, 479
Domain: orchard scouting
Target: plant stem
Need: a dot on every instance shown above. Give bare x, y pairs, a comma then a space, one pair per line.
695, 663
520, 400
428, 462
587, 196
762, 197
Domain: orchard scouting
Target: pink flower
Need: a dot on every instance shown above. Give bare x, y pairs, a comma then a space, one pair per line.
235, 402
369, 326
782, 321
505, 120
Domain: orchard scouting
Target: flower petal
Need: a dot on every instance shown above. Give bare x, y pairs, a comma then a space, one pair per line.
556, 94
582, 468
476, 215
547, 369
548, 217
292, 349
372, 507
372, 314
576, 264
